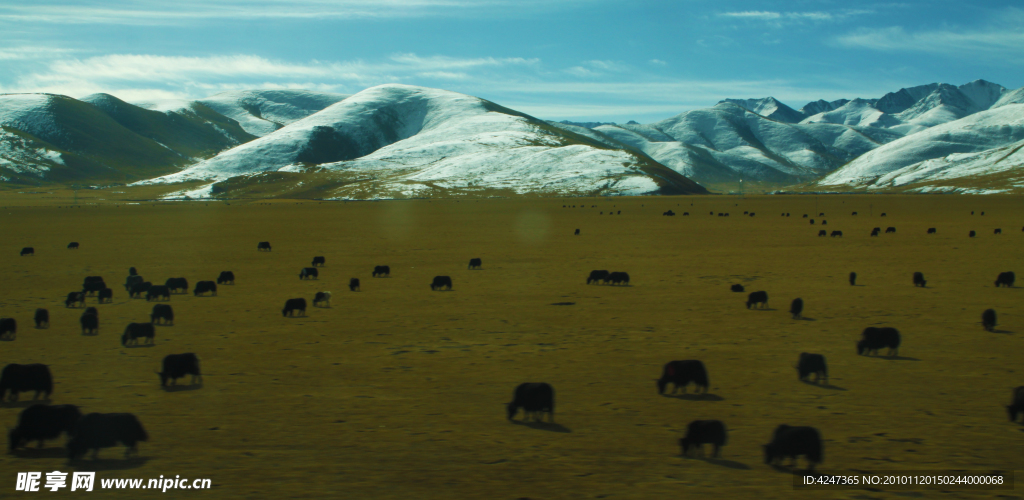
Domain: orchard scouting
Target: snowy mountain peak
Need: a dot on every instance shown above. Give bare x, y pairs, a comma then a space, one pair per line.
768, 107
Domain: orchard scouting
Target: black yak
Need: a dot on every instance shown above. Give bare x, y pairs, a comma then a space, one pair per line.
701, 432
890, 229
319, 260
873, 339
28, 251
131, 281
441, 282
309, 273
822, 233
577, 232
737, 288
1017, 406
104, 430
139, 288
836, 233
681, 373
106, 295
874, 232
292, 305
353, 284
919, 280
8, 328
997, 231
133, 331
931, 230
792, 442
381, 271
132, 271
535, 399
90, 324
226, 278
988, 319
162, 312
73, 245
75, 297
1006, 279
23, 378
322, 299
853, 278
263, 246
812, 363
204, 287
756, 298
158, 291
42, 317
177, 285
93, 284
177, 366
475, 263
617, 278
796, 308
597, 276
669, 212
971, 234
40, 422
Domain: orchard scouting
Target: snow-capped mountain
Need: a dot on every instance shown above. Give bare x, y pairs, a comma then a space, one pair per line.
769, 107
413, 141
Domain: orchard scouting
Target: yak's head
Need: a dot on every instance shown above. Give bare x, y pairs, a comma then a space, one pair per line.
512, 410
124, 339
684, 444
769, 453
862, 347
1012, 410
163, 378
284, 312
661, 385
14, 438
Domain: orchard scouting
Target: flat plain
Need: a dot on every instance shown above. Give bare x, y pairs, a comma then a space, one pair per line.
397, 391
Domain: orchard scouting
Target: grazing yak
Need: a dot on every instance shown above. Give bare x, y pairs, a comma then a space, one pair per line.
441, 282
883, 214
1006, 279
319, 260
792, 442
309, 273
596, 276
971, 234
812, 222
853, 278
668, 213
855, 213
701, 432
874, 232
919, 280
133, 331
104, 430
105, 294
535, 399
822, 233
756, 298
139, 288
90, 324
204, 287
353, 284
73, 245
75, 297
873, 339
42, 317
1017, 406
28, 251
812, 363
824, 222
681, 373
737, 288
40, 422
131, 281
8, 328
179, 285
475, 263
263, 246
617, 278
162, 312
292, 305
226, 278
577, 232
158, 291
23, 378
322, 299
997, 231
381, 271
837, 233
179, 365
931, 230
890, 229
93, 284
988, 319
796, 308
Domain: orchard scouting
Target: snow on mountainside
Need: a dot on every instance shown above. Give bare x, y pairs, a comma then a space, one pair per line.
975, 133
997, 170
855, 113
768, 107
415, 141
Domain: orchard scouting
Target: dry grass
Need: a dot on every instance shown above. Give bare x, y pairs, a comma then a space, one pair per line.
398, 392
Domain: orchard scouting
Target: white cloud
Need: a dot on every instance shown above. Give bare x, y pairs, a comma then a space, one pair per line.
658, 62
994, 41
779, 19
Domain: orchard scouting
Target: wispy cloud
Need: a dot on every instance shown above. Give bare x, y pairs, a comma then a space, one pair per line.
34, 52
780, 18
996, 41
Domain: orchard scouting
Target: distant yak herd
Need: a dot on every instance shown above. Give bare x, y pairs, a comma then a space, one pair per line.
41, 422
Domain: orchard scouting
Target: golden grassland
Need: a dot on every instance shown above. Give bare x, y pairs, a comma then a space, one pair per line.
396, 391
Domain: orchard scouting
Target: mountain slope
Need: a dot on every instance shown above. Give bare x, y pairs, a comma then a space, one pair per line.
997, 170
412, 141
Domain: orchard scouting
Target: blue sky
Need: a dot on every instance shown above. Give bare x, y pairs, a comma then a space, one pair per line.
606, 60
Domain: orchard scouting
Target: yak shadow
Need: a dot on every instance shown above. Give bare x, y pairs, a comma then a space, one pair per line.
696, 397
179, 388
762, 309
108, 463
804, 318
721, 462
51, 452
139, 346
5, 338
544, 426
791, 469
824, 386
24, 403
1001, 331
